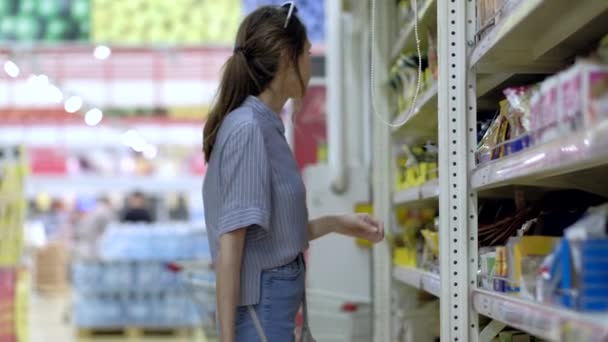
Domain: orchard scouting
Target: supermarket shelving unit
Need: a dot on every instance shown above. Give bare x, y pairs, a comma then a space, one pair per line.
529, 38
534, 37
419, 125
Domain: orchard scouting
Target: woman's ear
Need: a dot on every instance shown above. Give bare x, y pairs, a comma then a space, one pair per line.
285, 63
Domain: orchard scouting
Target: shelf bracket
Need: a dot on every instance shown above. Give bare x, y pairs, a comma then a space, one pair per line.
491, 330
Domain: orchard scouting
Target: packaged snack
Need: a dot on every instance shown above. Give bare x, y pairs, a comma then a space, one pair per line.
545, 112
596, 93
583, 94
486, 149
571, 97
503, 133
518, 115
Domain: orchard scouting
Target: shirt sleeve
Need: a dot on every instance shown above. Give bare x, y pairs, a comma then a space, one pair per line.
245, 183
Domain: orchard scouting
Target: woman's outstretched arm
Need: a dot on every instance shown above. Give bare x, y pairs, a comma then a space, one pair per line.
355, 225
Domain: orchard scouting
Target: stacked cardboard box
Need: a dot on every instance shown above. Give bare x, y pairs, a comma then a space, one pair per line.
51, 274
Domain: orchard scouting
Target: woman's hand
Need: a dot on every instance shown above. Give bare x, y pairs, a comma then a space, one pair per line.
362, 226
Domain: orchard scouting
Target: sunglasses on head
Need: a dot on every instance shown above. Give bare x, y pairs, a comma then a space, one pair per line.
291, 9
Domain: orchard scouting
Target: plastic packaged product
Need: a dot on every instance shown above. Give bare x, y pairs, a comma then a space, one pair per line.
492, 145
546, 118
501, 270
572, 98
578, 270
518, 114
487, 258
583, 96
526, 254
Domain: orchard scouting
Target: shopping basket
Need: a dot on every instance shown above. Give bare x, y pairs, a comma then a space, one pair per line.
199, 280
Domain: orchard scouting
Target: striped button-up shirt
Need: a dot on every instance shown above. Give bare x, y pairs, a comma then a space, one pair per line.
253, 182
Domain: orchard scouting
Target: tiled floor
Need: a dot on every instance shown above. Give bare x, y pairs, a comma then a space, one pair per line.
48, 322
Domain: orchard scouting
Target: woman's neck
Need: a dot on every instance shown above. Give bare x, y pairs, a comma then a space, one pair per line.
273, 100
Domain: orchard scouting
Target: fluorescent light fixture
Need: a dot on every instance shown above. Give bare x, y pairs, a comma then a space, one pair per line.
42, 80
102, 52
73, 104
93, 117
54, 94
38, 81
134, 140
11, 69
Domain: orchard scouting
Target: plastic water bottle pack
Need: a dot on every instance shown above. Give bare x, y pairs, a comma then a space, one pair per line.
130, 284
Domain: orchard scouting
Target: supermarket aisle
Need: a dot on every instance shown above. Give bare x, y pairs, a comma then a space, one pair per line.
46, 322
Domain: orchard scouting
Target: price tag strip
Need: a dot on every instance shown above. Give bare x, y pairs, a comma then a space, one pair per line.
545, 321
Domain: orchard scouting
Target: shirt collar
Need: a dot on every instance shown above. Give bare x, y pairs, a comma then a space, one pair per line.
267, 113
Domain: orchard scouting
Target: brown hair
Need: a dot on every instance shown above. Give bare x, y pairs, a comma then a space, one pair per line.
261, 41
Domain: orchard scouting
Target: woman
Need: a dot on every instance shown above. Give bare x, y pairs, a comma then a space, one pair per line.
255, 200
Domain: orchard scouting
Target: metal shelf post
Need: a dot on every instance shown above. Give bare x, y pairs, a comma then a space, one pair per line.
457, 203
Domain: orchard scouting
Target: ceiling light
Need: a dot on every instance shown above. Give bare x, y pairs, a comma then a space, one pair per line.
11, 69
54, 94
93, 117
73, 104
102, 52
38, 81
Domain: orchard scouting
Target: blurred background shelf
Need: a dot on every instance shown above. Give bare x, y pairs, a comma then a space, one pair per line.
418, 194
417, 278
421, 123
427, 16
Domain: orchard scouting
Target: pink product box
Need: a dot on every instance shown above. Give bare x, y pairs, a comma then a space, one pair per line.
572, 99
545, 110
583, 95
569, 101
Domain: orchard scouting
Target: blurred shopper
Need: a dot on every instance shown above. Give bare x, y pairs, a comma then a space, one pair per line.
255, 200
92, 226
179, 209
137, 210
56, 220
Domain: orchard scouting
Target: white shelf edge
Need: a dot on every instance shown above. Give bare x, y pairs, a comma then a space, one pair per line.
57, 185
525, 11
577, 151
497, 33
407, 33
420, 279
428, 190
545, 321
423, 102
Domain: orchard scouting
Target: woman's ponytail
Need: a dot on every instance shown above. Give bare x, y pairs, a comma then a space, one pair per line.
233, 90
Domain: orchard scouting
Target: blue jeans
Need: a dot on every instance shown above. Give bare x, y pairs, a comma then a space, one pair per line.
280, 298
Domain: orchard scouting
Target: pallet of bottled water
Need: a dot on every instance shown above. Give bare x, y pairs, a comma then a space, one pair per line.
129, 284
